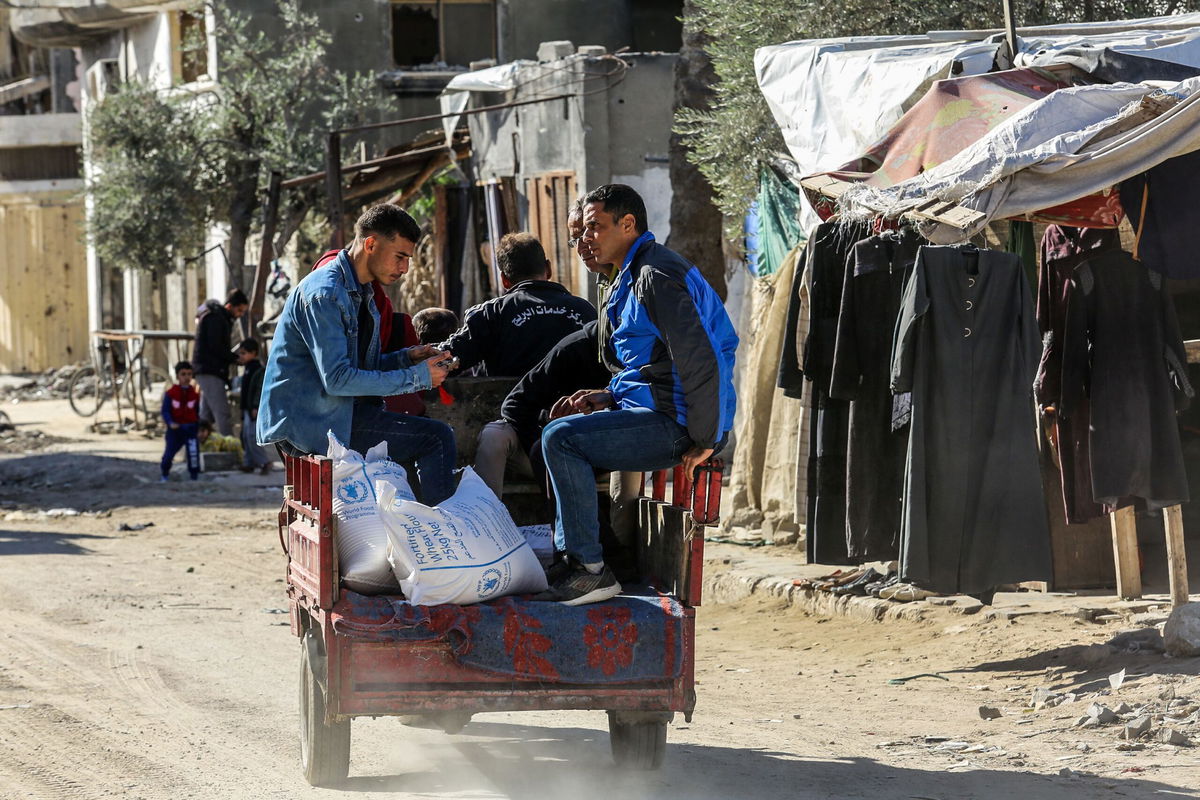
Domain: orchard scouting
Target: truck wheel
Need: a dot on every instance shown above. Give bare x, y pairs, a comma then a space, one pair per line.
324, 749
637, 745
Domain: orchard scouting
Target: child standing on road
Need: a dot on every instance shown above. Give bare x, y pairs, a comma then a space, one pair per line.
181, 412
255, 457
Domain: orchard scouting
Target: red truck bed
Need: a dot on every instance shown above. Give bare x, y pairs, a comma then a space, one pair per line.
346, 672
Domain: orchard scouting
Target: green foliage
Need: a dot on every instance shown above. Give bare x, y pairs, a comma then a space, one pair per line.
148, 170
211, 153
731, 141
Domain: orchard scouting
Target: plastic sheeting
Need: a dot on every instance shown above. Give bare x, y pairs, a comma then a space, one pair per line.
457, 94
833, 98
1044, 156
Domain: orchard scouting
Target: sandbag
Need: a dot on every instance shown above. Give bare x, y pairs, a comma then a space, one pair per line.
464, 551
361, 537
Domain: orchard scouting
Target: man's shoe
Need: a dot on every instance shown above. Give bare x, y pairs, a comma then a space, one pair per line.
559, 568
579, 587
265, 469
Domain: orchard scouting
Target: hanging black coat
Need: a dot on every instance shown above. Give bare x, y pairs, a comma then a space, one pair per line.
878, 437
1063, 249
826, 256
967, 346
1123, 352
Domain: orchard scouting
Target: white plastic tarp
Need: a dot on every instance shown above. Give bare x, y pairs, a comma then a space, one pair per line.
1043, 156
457, 94
834, 98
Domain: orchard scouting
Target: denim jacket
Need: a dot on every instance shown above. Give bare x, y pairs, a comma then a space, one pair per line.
313, 375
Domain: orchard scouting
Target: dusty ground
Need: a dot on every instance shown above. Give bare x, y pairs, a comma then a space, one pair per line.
154, 663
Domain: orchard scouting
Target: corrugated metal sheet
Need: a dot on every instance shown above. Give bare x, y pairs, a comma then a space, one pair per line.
43, 282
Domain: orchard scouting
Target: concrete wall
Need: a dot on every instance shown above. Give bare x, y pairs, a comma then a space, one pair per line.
616, 136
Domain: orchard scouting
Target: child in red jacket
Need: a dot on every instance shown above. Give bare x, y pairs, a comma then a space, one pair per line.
181, 412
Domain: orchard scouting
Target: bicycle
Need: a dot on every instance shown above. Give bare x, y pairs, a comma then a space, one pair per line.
140, 385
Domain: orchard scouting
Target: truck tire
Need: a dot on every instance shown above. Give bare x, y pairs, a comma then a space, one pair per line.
324, 749
635, 744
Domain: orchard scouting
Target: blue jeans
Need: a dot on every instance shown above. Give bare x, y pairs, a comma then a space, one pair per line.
630, 440
183, 437
426, 441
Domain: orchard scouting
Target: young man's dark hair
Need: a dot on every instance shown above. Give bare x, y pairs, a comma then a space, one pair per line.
389, 221
521, 258
182, 365
236, 297
249, 345
619, 200
434, 325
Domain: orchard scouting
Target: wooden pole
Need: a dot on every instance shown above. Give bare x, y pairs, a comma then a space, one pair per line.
1010, 32
1125, 553
333, 188
266, 253
1176, 555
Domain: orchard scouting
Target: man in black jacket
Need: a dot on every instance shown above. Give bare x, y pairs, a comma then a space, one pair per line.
511, 333
212, 355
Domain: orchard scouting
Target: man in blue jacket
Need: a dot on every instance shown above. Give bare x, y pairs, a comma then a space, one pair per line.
325, 372
667, 340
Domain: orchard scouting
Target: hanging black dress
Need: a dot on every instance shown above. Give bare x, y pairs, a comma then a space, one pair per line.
967, 347
1123, 354
878, 433
826, 257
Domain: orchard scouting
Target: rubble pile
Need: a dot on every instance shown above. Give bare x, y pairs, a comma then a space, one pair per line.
49, 385
1163, 718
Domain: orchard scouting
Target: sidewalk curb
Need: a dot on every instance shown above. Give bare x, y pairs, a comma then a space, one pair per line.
729, 586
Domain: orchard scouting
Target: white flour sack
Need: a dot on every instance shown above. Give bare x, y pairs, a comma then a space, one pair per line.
361, 537
464, 551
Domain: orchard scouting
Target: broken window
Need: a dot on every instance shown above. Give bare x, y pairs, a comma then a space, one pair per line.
189, 35
454, 32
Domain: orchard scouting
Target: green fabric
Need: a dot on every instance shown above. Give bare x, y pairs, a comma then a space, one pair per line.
1020, 242
778, 222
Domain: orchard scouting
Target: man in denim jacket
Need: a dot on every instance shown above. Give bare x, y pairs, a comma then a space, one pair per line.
325, 372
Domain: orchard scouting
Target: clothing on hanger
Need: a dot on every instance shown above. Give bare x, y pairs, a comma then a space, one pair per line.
967, 346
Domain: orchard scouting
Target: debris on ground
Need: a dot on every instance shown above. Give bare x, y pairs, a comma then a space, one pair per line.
134, 526
1182, 632
49, 385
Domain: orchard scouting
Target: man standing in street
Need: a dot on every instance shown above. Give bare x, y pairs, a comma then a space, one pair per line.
212, 356
670, 346
325, 372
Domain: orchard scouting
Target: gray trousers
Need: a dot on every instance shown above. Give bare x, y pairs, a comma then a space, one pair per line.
498, 446
253, 454
214, 403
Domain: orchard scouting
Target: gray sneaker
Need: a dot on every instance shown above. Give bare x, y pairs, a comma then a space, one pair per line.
580, 587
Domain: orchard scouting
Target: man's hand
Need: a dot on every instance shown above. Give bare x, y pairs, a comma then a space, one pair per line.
173, 426
694, 458
422, 351
562, 408
437, 373
585, 401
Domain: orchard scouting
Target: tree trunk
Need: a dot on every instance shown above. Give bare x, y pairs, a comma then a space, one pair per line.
242, 205
695, 220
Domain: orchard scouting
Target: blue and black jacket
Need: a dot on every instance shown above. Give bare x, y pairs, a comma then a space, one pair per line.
670, 343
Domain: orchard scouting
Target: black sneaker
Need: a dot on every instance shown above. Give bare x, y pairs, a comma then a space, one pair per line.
579, 587
559, 568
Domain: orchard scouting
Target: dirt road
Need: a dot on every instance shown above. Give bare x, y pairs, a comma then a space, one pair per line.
155, 663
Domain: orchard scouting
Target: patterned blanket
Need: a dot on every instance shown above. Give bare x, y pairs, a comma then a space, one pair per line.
631, 638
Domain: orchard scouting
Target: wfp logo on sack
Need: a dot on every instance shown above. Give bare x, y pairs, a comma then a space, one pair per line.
489, 582
353, 492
